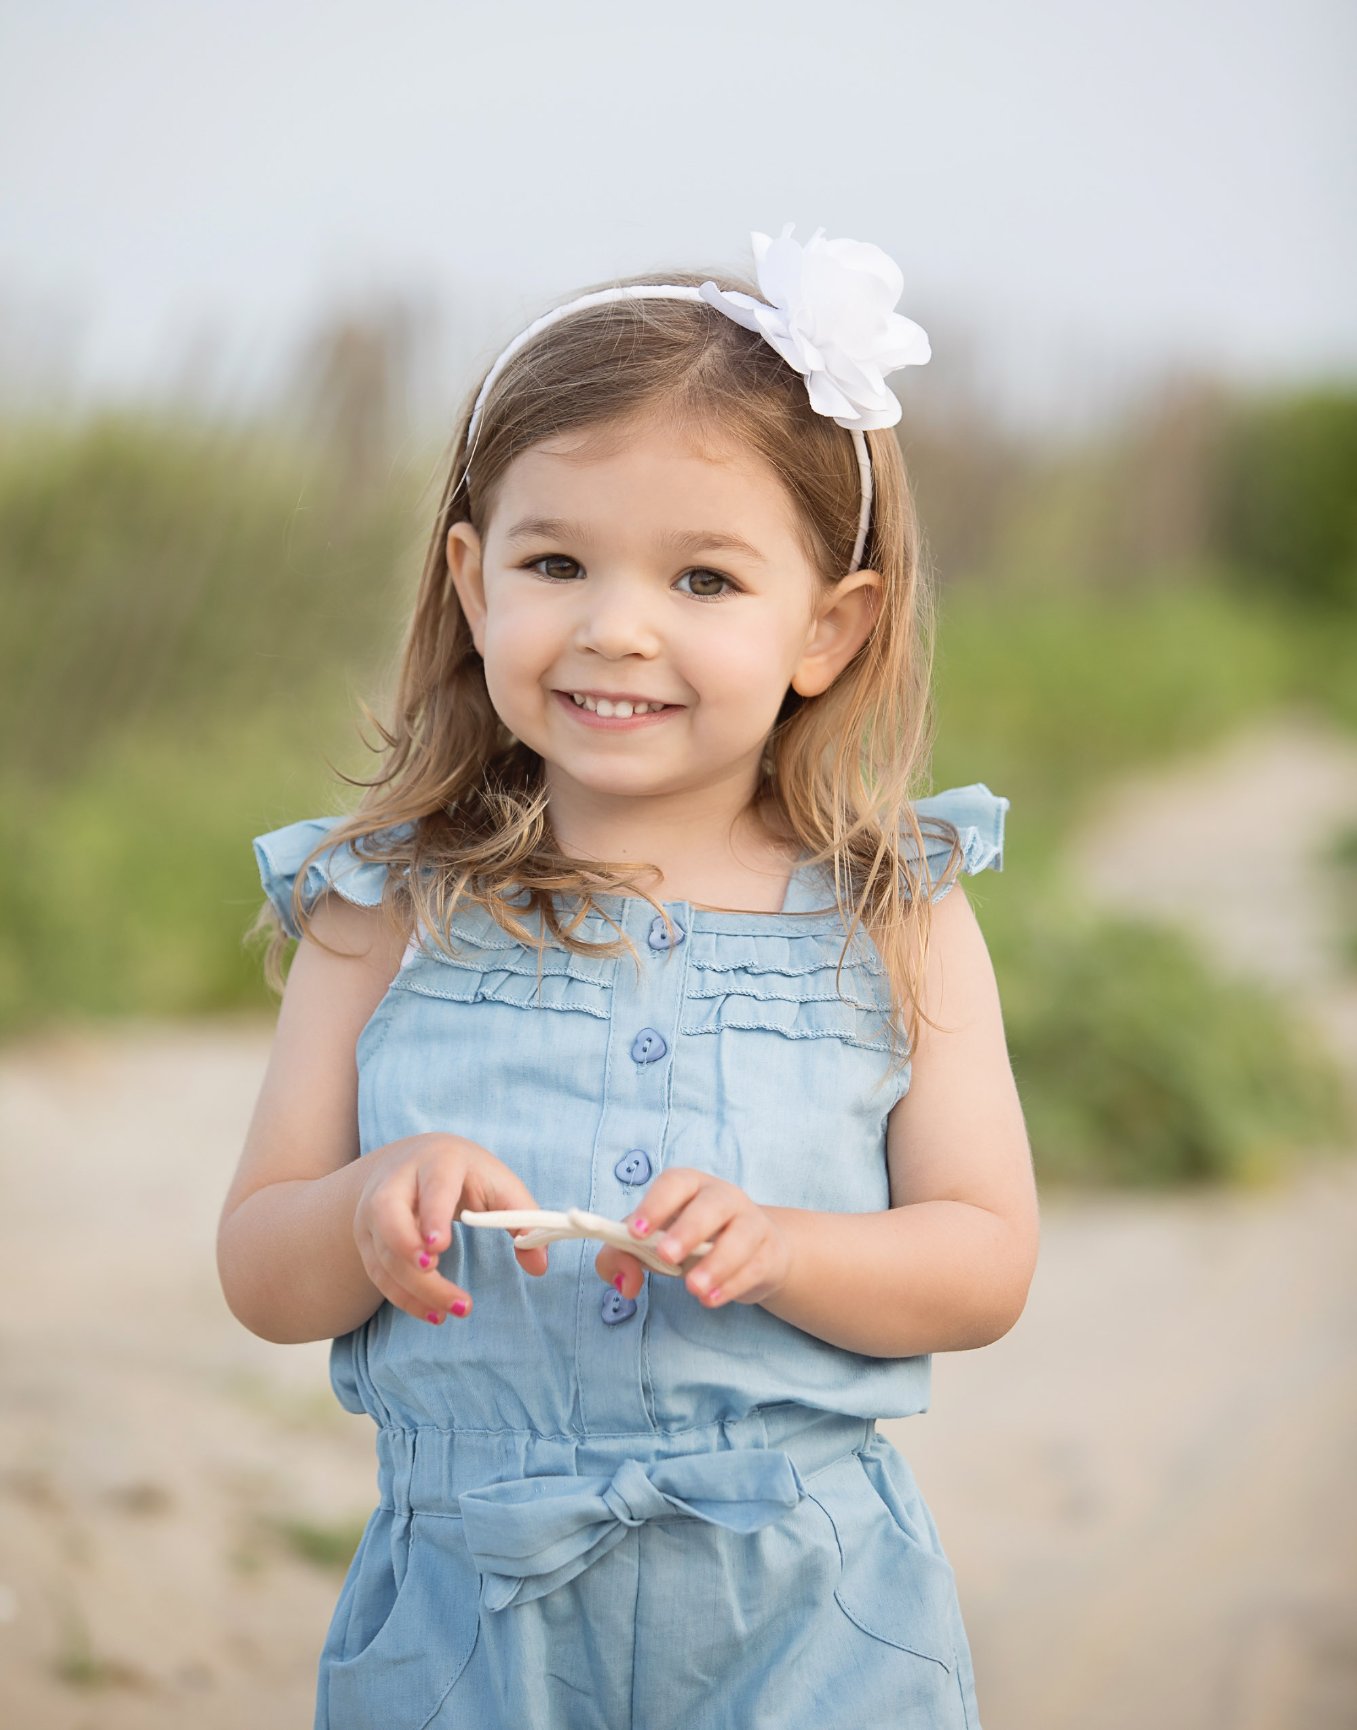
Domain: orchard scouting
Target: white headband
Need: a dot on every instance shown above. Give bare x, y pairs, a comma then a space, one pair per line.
828, 313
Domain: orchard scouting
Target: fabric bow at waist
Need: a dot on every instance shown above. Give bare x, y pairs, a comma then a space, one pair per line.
530, 1535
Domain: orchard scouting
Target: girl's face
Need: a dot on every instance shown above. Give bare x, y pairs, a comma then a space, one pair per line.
633, 567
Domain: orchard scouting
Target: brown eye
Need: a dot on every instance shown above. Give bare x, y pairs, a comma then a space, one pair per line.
710, 576
551, 559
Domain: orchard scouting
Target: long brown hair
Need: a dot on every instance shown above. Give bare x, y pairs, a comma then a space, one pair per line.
840, 769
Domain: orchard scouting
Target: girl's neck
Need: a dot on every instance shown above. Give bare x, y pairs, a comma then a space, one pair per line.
755, 883
748, 869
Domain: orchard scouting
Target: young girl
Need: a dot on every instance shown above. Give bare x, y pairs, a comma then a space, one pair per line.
640, 918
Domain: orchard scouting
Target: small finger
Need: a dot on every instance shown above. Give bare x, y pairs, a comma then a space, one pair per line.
703, 1219
713, 1278
445, 1293
621, 1270
434, 1213
426, 1295
533, 1261
402, 1216
670, 1192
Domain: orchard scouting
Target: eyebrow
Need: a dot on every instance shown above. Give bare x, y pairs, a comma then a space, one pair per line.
680, 541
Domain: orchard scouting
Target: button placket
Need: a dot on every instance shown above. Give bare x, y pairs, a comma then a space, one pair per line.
628, 1152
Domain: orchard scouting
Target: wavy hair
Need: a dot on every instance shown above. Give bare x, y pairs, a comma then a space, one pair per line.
839, 771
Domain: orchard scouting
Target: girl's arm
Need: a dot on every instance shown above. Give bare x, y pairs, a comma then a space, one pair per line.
931, 1276
287, 1259
949, 1265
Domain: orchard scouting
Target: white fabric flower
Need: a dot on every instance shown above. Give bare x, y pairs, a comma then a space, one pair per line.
830, 314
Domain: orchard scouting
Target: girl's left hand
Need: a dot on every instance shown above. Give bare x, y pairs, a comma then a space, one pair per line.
751, 1257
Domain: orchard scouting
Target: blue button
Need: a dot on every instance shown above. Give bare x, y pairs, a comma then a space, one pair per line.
648, 1045
633, 1167
659, 937
617, 1308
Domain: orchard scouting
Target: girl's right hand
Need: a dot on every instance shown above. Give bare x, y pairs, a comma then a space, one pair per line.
403, 1218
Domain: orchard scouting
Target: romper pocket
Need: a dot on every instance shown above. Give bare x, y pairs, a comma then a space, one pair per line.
412, 1626
892, 1585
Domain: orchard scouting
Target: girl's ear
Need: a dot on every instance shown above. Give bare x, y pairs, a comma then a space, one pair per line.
468, 578
840, 628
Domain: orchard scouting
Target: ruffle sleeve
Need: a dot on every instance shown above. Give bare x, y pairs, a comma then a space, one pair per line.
279, 855
979, 818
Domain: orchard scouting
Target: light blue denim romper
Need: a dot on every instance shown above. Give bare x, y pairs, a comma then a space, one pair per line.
596, 1512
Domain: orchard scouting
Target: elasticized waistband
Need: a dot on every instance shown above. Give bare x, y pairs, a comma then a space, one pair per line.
427, 1470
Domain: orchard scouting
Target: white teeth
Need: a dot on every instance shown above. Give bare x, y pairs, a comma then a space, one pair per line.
621, 709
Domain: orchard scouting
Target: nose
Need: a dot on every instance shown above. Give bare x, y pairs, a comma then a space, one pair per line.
616, 619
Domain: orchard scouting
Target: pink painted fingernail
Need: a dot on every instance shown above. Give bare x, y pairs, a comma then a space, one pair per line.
714, 1295
424, 1261
618, 1282
459, 1306
433, 1317
431, 1237
640, 1226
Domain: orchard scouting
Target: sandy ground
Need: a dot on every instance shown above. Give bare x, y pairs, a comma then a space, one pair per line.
1145, 1488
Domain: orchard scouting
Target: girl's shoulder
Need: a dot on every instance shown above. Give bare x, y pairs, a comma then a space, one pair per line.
977, 815
279, 855
973, 812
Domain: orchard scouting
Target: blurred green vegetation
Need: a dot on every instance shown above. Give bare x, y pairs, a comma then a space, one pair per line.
1138, 1065
1285, 503
195, 607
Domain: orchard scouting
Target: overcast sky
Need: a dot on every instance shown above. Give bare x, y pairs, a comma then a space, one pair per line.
1080, 197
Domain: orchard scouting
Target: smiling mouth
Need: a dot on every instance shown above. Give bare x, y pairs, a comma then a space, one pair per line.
597, 718
622, 706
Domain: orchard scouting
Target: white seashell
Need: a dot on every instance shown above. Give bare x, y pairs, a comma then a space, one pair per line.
544, 1226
